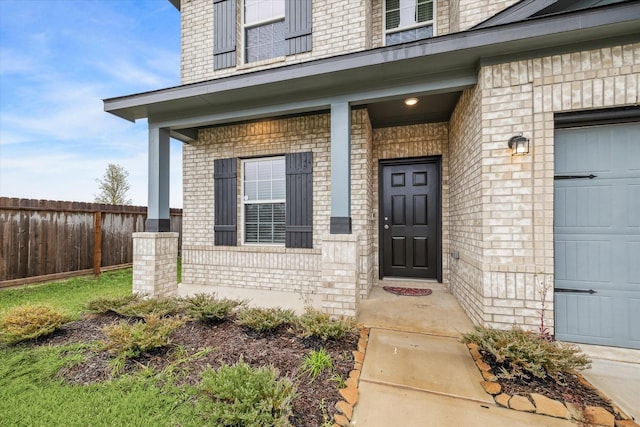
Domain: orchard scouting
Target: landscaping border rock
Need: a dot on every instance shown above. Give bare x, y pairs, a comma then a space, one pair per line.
350, 393
539, 404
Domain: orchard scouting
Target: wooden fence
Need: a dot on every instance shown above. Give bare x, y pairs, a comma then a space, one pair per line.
49, 238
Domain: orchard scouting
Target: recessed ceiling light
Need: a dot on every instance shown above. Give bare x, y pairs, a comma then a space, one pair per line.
411, 101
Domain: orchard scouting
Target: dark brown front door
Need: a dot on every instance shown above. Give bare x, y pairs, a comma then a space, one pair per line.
410, 218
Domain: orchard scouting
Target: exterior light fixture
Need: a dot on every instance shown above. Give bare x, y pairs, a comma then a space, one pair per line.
519, 145
410, 102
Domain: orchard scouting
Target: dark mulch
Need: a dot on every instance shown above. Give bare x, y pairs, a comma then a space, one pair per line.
566, 388
283, 349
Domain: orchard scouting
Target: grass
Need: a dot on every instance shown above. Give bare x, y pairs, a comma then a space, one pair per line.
316, 362
69, 295
32, 395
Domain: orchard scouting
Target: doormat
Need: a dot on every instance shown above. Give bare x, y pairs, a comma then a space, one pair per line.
412, 292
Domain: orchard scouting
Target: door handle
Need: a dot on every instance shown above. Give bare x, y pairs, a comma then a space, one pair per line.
386, 226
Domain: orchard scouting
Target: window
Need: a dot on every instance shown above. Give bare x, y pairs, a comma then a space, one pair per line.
407, 20
264, 200
264, 29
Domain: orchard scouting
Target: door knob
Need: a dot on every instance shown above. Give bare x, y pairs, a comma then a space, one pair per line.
386, 226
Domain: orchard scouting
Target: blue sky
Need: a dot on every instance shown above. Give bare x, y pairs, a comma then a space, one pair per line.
58, 60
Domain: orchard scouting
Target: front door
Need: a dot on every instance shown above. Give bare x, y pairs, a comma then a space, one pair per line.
410, 218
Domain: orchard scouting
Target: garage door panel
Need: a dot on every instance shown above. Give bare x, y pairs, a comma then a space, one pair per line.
581, 315
633, 205
633, 265
597, 235
583, 260
583, 206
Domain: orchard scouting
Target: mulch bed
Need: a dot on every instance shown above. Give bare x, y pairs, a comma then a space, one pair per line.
283, 349
567, 387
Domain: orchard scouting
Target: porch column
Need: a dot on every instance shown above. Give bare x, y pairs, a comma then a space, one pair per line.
155, 252
340, 222
158, 197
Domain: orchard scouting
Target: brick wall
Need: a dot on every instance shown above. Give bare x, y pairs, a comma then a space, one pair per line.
276, 268
507, 253
465, 143
467, 13
338, 27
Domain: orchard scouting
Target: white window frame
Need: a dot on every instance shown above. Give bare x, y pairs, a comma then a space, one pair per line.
255, 24
410, 27
254, 202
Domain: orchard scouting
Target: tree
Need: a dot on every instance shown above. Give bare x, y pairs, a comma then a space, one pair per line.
114, 186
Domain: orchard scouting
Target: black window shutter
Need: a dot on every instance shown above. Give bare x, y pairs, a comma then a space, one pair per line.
298, 26
299, 225
224, 37
225, 200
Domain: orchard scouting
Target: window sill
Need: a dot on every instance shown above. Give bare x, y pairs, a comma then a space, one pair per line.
264, 62
257, 248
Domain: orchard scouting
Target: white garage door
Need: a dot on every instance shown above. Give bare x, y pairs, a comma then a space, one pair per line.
597, 234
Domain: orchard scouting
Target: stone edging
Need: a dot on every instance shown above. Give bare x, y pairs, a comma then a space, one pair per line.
539, 404
350, 392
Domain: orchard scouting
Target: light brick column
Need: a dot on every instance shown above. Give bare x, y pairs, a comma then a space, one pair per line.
155, 263
340, 270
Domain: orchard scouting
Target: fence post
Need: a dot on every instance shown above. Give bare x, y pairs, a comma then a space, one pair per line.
97, 242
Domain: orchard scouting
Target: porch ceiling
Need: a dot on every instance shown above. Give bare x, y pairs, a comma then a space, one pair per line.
429, 109
377, 77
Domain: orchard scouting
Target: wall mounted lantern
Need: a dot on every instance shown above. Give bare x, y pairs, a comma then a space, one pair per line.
519, 145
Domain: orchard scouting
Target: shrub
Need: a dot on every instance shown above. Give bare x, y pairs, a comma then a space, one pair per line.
207, 308
131, 340
161, 307
240, 395
316, 323
265, 319
27, 322
524, 353
111, 304
316, 362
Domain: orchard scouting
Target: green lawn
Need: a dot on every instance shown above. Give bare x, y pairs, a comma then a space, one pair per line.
70, 295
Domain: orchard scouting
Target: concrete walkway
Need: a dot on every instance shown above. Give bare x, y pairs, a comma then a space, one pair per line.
417, 373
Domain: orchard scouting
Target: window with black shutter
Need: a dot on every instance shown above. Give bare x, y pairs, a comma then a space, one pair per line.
271, 28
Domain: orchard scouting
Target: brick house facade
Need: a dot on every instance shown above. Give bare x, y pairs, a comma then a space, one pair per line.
331, 100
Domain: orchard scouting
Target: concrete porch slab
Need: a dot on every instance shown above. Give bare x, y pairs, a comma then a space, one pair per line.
423, 362
437, 314
384, 406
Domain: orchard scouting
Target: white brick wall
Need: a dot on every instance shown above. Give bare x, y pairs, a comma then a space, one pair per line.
501, 205
339, 27
277, 268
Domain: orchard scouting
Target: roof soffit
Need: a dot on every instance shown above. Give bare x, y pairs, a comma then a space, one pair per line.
388, 66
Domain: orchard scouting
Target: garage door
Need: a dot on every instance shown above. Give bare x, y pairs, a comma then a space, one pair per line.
597, 234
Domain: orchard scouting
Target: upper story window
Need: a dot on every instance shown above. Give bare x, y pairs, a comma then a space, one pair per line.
407, 20
270, 28
264, 29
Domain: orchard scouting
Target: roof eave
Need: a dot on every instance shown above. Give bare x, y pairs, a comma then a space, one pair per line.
455, 51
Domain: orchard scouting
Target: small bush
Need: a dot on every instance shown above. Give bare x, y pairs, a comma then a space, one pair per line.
207, 308
112, 304
240, 395
316, 362
265, 319
318, 324
27, 322
524, 353
131, 340
161, 307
